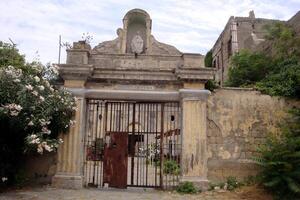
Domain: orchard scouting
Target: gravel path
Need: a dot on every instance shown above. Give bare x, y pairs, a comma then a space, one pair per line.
48, 193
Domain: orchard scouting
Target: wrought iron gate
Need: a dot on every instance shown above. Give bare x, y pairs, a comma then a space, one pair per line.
134, 144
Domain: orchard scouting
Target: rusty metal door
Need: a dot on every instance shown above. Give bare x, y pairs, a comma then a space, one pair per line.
115, 159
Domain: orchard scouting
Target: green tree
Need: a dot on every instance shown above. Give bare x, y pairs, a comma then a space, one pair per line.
9, 55
247, 68
208, 59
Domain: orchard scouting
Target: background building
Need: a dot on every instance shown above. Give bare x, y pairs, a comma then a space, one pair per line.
239, 33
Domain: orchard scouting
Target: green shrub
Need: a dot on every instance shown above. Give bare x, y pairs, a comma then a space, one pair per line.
187, 188
232, 183
208, 59
171, 167
279, 159
247, 68
211, 85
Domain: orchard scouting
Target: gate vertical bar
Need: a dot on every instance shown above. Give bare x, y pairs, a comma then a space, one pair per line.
161, 145
133, 141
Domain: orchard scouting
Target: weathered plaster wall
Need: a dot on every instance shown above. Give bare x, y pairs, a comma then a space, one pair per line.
39, 169
238, 121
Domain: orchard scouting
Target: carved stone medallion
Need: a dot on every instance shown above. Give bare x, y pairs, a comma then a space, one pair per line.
137, 44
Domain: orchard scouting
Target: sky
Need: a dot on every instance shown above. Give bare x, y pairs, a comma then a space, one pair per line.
192, 26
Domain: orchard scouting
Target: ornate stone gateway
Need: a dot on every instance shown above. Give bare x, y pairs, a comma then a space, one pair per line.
141, 118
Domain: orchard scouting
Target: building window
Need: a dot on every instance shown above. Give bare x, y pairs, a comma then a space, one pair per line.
229, 48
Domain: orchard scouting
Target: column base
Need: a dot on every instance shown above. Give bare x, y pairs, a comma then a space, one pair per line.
199, 183
67, 181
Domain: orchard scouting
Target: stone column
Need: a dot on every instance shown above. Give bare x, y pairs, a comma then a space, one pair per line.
194, 138
69, 173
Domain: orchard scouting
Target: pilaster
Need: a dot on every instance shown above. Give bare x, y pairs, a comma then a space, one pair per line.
69, 173
194, 137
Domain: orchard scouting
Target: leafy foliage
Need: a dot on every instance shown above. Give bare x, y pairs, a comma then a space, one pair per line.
280, 160
171, 167
187, 188
232, 183
276, 74
247, 68
284, 80
9, 55
208, 59
211, 85
284, 40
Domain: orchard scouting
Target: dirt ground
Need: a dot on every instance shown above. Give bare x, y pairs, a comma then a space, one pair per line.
49, 193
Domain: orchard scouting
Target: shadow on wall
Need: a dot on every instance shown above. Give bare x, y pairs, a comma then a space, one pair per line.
39, 169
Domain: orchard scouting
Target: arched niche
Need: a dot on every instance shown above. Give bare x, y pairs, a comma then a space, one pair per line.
137, 28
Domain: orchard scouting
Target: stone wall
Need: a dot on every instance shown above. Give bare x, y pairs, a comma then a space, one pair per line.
238, 121
39, 169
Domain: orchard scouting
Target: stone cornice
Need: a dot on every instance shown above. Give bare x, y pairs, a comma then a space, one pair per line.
75, 71
193, 94
194, 74
85, 71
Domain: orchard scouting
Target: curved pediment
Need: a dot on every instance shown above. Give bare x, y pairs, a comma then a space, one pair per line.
157, 48
136, 38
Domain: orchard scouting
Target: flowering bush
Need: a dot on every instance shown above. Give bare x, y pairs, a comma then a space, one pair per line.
40, 110
32, 114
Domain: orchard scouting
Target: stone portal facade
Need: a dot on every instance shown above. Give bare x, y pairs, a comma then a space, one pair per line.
136, 67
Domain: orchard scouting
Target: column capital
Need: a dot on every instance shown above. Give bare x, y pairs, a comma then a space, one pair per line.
194, 94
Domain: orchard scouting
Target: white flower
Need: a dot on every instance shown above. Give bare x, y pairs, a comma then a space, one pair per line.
51, 89
17, 80
4, 179
48, 148
47, 83
37, 79
14, 113
38, 68
29, 87
54, 69
72, 122
35, 93
60, 141
42, 98
33, 139
46, 130
14, 109
41, 87
40, 149
30, 123
43, 122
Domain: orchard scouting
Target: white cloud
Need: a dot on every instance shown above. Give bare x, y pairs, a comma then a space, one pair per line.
190, 25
